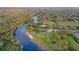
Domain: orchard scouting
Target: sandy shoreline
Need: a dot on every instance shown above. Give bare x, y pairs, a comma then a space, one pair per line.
38, 43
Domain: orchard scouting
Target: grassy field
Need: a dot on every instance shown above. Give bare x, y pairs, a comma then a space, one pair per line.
73, 45
68, 43
42, 39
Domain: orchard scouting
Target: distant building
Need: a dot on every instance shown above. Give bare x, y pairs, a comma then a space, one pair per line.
50, 30
36, 19
76, 35
43, 26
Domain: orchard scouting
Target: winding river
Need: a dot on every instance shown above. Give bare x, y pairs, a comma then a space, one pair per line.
25, 40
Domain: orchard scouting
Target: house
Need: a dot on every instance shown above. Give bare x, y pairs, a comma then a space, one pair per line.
76, 34
43, 26
50, 30
35, 19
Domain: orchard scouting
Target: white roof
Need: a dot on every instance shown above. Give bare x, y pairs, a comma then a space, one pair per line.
49, 30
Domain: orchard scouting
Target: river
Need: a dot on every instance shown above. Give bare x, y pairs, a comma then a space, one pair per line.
25, 40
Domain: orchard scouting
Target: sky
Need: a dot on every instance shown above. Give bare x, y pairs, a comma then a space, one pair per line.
38, 3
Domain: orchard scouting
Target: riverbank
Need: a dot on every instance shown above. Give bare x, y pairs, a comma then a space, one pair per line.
25, 40
69, 41
36, 41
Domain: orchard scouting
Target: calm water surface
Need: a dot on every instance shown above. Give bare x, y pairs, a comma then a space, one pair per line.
25, 41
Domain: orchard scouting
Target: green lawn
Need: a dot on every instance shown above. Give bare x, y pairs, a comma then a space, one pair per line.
44, 39
73, 44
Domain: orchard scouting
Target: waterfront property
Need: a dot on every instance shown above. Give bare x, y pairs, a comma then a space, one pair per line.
35, 19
